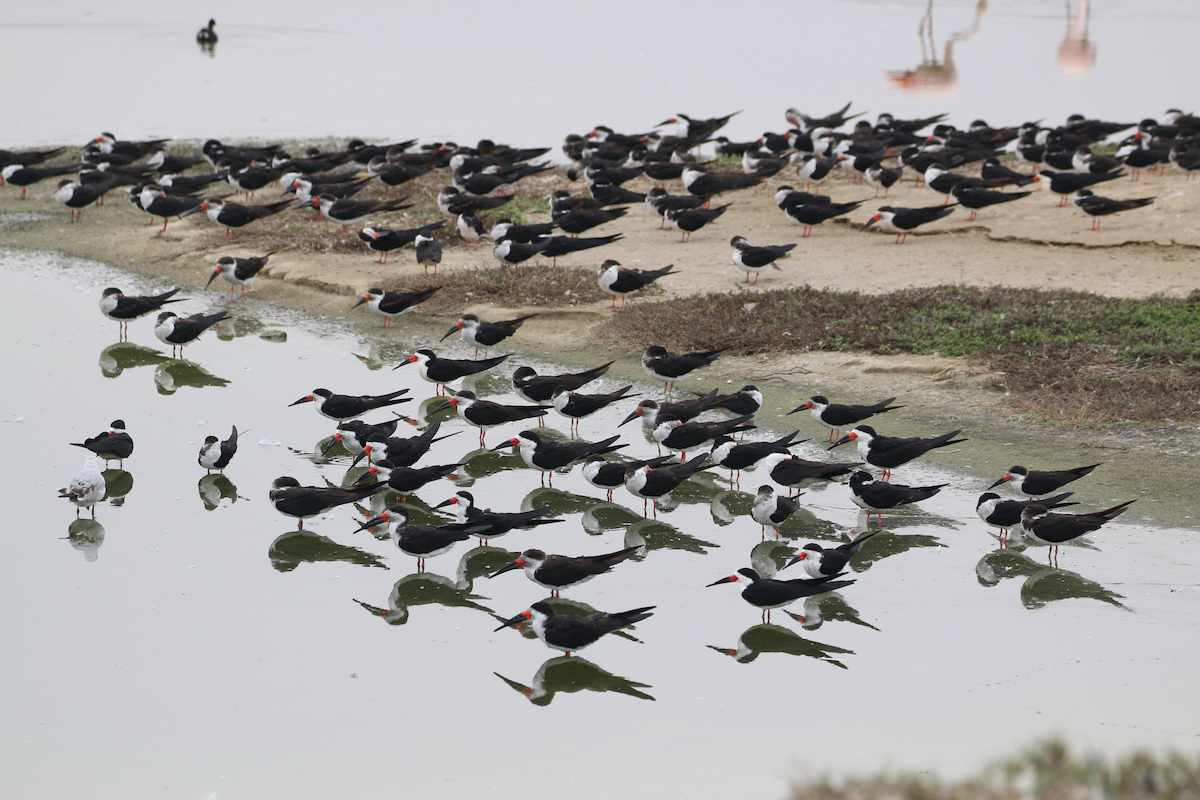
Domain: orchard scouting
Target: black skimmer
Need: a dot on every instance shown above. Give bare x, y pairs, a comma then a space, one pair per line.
881, 177
444, 370
873, 495
555, 572
25, 177
757, 258
1091, 205
393, 175
342, 407
178, 331
558, 246
389, 304
611, 195
1003, 515
453, 202
471, 229
767, 593
889, 452
595, 174
485, 335
581, 220
405, 480
305, 188
996, 173
547, 456
77, 197
1044, 527
167, 164
812, 215
1066, 184
400, 451
541, 388
737, 457
482, 184
383, 241
115, 305
248, 179
608, 475
786, 196
1084, 160
747, 400
702, 183
29, 158
215, 454
419, 541
825, 562
429, 252
302, 502
232, 216
87, 487
837, 417
111, 445
348, 211
108, 144
658, 201
725, 147
521, 234
975, 199
655, 483
903, 221
207, 36
798, 473
814, 170
683, 410
1035, 483
667, 367
239, 271
699, 129
618, 281
679, 437
943, 181
354, 434
157, 203
485, 524
835, 120
771, 509
484, 414
569, 632
186, 184
575, 406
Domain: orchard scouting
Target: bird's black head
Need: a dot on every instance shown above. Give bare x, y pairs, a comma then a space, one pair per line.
749, 573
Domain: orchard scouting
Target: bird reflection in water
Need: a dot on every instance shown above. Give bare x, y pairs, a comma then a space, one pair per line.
422, 589
768, 638
86, 536
933, 75
116, 358
1043, 585
824, 608
1076, 55
170, 376
654, 534
117, 484
216, 487
297, 547
573, 674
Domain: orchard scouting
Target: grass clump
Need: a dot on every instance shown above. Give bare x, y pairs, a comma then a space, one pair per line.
557, 287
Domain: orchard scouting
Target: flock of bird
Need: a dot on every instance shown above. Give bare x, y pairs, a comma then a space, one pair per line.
711, 426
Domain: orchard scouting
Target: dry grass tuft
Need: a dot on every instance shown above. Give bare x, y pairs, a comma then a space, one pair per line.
526, 286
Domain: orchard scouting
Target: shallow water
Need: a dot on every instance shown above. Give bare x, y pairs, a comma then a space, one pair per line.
391, 71
192, 640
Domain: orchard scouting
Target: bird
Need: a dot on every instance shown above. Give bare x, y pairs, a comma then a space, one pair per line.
797, 473
342, 407
535, 388
683, 410
975, 199
873, 495
348, 211
77, 197
405, 480
881, 177
679, 436
429, 252
570, 632
1004, 515
825, 562
389, 304
485, 335
836, 416
757, 258
486, 524
23, 176
668, 367
889, 452
580, 220
178, 331
658, 201
239, 271
232, 216
575, 406
814, 170
810, 215
471, 229
736, 457
403, 452
702, 183
747, 400
903, 221
547, 456
419, 541
215, 454
555, 572
689, 220
608, 475
1068, 183
383, 241
120, 308
771, 509
1042, 526
655, 483
1094, 206
207, 36
619, 281
484, 414
768, 593
114, 444
1038, 483
302, 502
86, 488
453, 202
157, 203
441, 371
354, 434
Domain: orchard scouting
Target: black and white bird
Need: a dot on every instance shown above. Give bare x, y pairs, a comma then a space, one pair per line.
215, 454
1096, 207
767, 594
1004, 515
114, 444
406, 480
384, 241
239, 271
485, 524
1043, 526
303, 502
903, 221
342, 407
389, 304
877, 496
485, 335
87, 487
77, 197
435, 369
668, 367
1039, 483
569, 632
541, 388
575, 405
429, 252
115, 305
485, 414
771, 509
836, 416
556, 573
889, 452
825, 562
471, 229
736, 457
608, 475
232, 216
419, 541
757, 258
679, 437
548, 455
619, 281
178, 331
1066, 184
799, 473
689, 220
652, 483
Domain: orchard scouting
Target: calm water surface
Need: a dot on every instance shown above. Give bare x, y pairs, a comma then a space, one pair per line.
192, 641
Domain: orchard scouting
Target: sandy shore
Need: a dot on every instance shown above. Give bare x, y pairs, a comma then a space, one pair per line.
1030, 242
